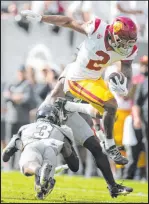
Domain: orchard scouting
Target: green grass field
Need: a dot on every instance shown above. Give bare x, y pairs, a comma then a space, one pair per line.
16, 188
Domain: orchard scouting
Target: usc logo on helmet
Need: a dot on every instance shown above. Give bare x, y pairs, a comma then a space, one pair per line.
117, 26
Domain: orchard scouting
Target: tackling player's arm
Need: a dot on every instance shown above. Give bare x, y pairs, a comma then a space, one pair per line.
12, 147
70, 156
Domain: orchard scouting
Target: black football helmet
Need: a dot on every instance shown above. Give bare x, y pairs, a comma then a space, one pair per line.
50, 113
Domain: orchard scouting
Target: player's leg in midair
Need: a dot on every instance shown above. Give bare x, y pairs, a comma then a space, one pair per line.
92, 144
108, 145
87, 139
101, 102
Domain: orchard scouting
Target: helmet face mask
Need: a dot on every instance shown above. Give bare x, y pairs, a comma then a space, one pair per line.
123, 47
123, 35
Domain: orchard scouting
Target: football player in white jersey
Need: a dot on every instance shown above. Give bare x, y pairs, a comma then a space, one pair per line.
104, 45
40, 143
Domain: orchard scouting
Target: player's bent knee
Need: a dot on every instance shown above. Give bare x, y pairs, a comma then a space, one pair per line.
25, 171
111, 103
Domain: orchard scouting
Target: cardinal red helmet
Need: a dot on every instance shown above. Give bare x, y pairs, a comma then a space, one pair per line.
123, 35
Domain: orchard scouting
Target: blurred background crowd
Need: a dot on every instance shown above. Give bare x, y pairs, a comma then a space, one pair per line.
35, 54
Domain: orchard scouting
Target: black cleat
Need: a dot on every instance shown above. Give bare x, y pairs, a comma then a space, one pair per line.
43, 192
119, 190
10, 149
40, 195
49, 187
114, 154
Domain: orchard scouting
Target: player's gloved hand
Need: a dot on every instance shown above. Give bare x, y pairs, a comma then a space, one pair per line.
30, 15
118, 87
60, 105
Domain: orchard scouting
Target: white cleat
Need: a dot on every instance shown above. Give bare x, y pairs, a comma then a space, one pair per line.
114, 154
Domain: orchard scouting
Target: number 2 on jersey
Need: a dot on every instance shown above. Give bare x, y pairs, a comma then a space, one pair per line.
95, 64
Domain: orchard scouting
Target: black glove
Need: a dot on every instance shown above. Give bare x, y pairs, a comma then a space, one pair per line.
60, 105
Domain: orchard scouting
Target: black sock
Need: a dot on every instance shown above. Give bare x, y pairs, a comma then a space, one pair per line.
93, 145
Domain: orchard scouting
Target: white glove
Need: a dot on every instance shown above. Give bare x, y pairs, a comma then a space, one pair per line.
30, 15
120, 89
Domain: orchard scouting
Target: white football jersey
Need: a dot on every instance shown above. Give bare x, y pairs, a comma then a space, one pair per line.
93, 56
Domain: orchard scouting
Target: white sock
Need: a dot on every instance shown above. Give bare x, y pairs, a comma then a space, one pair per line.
109, 143
101, 135
80, 107
59, 169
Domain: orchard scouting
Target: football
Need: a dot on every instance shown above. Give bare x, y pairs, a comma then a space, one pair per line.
120, 76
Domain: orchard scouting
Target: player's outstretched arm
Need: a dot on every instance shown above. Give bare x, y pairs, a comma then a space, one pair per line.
64, 21
58, 20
